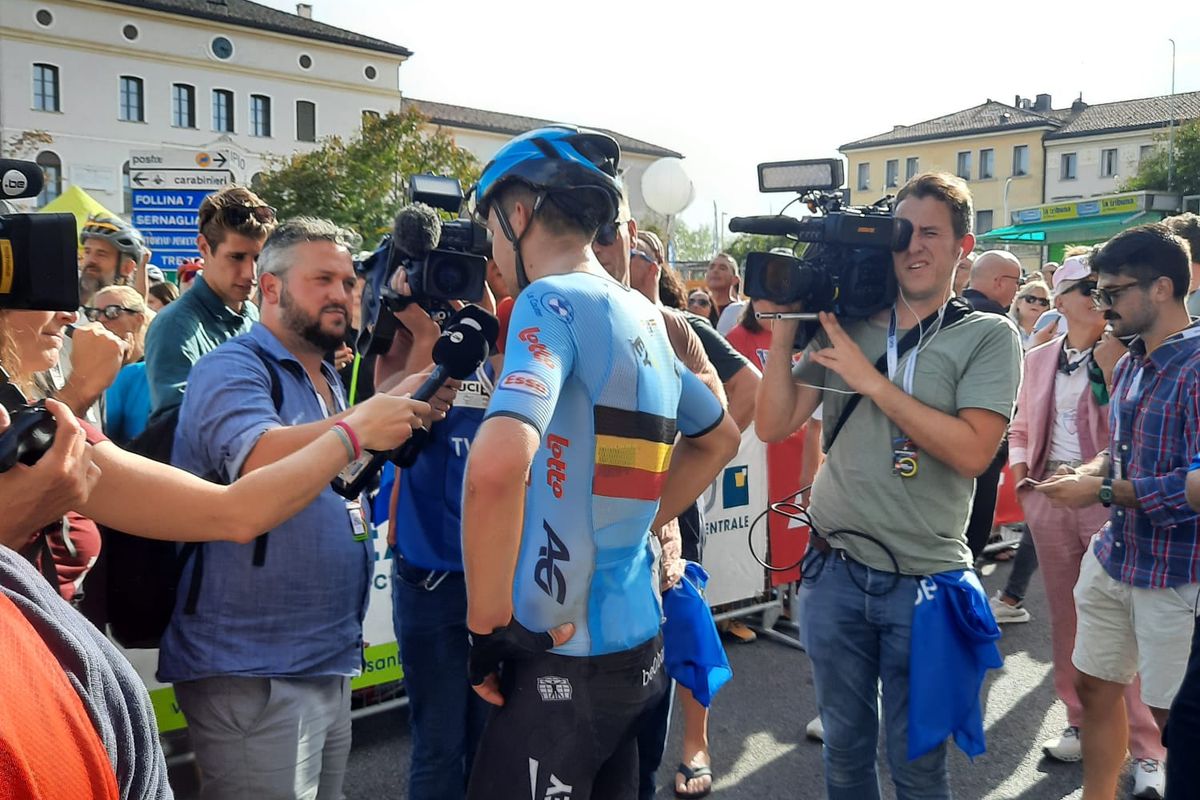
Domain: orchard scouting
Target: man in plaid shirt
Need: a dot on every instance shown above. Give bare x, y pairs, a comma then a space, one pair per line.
1138, 585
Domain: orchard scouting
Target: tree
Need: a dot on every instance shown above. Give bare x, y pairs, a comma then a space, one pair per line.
744, 243
1152, 170
361, 182
691, 244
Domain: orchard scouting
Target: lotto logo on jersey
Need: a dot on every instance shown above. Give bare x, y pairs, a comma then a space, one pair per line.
556, 465
539, 351
526, 382
735, 487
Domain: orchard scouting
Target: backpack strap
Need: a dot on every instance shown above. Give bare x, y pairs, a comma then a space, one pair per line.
956, 310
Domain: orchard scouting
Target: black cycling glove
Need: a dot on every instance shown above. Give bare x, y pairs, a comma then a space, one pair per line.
489, 650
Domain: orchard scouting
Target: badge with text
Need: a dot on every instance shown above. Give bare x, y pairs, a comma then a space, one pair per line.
904, 457
358, 520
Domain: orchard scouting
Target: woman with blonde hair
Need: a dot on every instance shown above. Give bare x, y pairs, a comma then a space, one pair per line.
1030, 303
125, 313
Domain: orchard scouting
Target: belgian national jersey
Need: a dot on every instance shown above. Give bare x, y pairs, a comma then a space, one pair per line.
589, 367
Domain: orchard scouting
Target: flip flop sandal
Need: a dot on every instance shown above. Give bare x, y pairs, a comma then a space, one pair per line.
688, 774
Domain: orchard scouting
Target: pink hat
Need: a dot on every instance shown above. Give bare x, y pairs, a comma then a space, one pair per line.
1072, 271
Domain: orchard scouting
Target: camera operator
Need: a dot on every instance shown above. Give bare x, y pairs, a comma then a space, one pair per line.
429, 595
891, 502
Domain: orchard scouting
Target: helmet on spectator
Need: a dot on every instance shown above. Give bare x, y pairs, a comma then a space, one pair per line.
117, 232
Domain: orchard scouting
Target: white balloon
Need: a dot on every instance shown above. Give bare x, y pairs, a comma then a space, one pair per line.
666, 187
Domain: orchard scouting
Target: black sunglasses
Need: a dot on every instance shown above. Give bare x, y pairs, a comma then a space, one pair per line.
1041, 301
1106, 298
235, 216
608, 233
699, 301
108, 312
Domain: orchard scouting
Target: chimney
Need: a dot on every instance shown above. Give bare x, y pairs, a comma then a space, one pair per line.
1017, 101
1078, 105
304, 10
1042, 103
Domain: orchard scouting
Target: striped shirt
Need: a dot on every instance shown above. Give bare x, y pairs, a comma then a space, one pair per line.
1155, 421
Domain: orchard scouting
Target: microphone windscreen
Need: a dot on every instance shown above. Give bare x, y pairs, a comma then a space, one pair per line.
480, 319
20, 179
460, 349
416, 231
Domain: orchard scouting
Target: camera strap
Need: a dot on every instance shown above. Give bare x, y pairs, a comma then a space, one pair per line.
956, 309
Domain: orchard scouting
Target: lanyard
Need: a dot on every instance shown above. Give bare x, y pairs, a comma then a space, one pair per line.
893, 358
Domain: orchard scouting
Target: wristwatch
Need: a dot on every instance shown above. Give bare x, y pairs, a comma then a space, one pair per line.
1105, 493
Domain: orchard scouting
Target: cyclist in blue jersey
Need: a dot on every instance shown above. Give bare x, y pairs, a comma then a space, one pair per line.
575, 462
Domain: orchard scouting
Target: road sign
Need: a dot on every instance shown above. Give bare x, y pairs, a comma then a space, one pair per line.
164, 179
169, 221
168, 188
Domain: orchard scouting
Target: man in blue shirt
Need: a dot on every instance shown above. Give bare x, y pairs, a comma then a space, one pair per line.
262, 663
234, 223
576, 461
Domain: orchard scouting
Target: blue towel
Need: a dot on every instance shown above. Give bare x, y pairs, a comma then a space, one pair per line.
953, 646
692, 647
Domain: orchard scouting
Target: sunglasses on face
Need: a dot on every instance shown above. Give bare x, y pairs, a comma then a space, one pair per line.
108, 312
1107, 297
608, 233
642, 254
699, 301
1035, 300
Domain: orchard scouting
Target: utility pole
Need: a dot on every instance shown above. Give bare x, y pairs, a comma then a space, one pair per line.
1171, 134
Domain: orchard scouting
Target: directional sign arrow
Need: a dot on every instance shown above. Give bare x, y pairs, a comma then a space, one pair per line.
158, 179
219, 159
139, 179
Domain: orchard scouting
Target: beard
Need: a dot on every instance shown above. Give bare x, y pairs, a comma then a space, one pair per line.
308, 327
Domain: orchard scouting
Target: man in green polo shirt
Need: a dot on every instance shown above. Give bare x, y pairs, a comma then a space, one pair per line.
234, 224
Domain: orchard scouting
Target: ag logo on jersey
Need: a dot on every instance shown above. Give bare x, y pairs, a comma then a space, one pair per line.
546, 573
559, 306
526, 382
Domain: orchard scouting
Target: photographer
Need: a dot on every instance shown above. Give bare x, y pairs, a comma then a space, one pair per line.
891, 502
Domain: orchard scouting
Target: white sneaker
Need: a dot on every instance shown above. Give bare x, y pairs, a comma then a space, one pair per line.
1149, 780
1066, 747
815, 730
1004, 613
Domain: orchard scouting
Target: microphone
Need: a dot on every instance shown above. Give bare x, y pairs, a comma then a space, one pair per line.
459, 351
20, 179
416, 231
480, 320
774, 225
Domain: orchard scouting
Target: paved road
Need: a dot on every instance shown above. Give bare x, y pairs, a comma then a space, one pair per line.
757, 729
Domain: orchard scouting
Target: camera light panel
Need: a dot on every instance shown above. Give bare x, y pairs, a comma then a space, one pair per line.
820, 174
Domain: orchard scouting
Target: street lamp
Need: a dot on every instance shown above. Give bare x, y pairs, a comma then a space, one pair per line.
1171, 134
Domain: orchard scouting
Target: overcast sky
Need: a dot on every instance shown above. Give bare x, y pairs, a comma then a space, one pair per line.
771, 80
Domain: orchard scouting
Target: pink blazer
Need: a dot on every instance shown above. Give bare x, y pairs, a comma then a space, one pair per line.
1032, 425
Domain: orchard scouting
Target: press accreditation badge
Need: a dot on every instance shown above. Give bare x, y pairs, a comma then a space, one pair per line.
905, 459
473, 394
358, 520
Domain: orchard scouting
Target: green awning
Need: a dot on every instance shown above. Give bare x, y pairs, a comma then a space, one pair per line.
1066, 231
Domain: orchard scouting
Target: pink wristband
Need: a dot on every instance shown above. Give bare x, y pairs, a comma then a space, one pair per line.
353, 437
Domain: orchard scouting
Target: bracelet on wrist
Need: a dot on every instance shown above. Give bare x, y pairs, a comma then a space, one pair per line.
342, 425
345, 440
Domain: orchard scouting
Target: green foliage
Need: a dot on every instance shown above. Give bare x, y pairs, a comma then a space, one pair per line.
691, 244
1152, 171
360, 182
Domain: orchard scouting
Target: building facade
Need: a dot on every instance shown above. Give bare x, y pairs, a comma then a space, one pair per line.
1101, 146
84, 83
996, 148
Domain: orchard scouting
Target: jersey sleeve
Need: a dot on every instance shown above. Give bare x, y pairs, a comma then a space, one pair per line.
539, 354
699, 410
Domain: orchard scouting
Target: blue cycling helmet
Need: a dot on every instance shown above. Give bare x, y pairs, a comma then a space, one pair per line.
576, 168
554, 159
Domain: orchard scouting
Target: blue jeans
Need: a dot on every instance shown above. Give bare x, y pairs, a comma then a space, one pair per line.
854, 640
446, 715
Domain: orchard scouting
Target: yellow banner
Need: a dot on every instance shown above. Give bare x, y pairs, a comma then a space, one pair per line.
1062, 211
1118, 205
6, 266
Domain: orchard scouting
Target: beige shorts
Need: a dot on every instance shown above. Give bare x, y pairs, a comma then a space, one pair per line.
1124, 631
